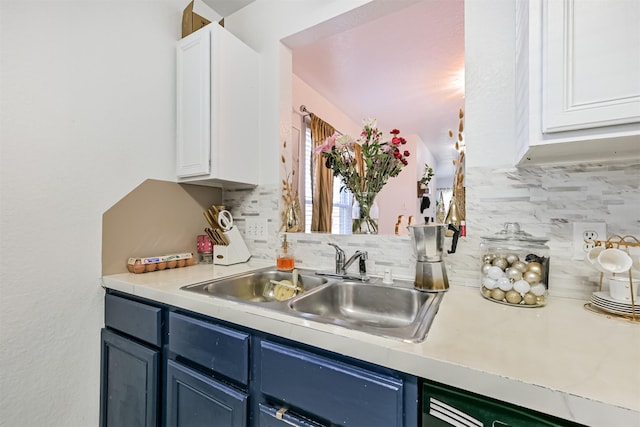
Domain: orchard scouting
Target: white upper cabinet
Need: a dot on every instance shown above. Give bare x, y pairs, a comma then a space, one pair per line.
217, 110
578, 80
592, 64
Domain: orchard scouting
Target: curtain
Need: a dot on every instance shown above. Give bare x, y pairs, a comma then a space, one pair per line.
322, 176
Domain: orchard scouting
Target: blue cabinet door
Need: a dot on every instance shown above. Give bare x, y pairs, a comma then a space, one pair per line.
129, 393
194, 400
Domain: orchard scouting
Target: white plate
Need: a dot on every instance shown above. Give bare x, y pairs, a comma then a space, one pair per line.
606, 297
617, 306
614, 305
615, 309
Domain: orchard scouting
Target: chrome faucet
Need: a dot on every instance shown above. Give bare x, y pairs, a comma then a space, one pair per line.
342, 265
340, 257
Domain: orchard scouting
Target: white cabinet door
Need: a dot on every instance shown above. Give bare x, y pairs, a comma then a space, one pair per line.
193, 105
218, 137
235, 109
591, 64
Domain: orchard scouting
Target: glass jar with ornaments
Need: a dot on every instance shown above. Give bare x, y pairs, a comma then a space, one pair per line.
515, 267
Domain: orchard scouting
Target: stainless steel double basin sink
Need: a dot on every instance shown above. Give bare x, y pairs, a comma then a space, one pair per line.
398, 311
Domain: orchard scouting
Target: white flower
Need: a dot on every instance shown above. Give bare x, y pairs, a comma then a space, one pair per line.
344, 141
370, 123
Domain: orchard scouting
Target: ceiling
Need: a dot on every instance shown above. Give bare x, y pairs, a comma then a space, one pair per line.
227, 7
406, 69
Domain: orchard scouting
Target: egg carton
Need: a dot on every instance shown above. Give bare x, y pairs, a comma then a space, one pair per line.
146, 265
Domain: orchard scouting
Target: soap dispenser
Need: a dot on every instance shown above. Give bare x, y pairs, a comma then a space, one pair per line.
284, 259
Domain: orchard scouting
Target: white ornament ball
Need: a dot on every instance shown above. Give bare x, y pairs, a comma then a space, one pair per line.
521, 286
489, 283
495, 272
538, 290
504, 284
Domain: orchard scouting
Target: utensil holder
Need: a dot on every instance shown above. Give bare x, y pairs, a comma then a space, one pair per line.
235, 252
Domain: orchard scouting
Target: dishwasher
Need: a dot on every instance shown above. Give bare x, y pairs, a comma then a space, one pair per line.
444, 406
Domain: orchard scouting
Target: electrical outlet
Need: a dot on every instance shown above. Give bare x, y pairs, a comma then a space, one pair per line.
256, 229
585, 235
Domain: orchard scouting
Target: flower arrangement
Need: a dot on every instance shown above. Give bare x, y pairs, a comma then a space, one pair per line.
365, 165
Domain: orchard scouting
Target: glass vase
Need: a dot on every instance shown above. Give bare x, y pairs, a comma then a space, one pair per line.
292, 216
364, 214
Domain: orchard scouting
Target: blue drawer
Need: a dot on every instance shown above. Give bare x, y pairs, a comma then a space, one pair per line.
220, 349
136, 319
280, 417
334, 391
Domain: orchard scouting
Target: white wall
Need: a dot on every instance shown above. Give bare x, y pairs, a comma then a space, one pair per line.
489, 82
87, 114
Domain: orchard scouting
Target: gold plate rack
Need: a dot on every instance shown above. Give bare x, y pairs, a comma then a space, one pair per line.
623, 243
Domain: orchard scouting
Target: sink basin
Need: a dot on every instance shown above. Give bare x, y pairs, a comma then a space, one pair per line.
254, 287
397, 312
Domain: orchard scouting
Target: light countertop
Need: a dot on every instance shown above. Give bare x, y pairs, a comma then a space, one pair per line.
558, 359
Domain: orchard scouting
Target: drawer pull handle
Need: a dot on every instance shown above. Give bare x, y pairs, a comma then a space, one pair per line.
280, 413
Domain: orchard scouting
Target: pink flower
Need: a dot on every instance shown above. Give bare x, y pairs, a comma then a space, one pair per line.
328, 144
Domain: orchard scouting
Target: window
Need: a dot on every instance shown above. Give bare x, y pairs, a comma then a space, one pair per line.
341, 213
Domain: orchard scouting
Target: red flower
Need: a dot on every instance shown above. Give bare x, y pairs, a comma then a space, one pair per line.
402, 140
395, 132
405, 162
406, 153
395, 140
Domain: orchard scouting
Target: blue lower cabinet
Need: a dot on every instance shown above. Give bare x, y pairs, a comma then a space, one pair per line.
331, 391
220, 349
164, 366
129, 392
194, 399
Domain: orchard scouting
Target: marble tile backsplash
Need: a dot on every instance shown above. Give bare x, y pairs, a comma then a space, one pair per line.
545, 200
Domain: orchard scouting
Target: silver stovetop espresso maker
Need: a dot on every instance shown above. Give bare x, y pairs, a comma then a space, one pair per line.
428, 246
